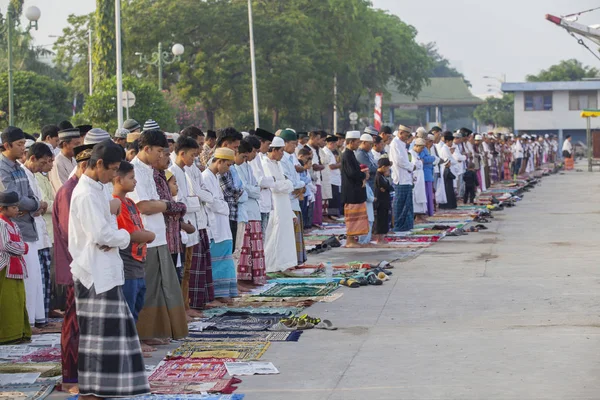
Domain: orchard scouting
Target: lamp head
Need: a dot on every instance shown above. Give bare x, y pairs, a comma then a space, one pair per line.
177, 49
33, 14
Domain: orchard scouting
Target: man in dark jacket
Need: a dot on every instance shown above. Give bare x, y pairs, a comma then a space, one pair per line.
354, 194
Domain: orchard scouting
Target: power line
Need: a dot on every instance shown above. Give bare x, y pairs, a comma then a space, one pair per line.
582, 12
581, 42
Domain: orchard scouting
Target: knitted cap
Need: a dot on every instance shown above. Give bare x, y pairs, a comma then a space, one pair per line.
95, 136
150, 125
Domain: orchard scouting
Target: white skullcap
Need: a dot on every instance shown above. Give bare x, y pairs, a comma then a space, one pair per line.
430, 137
420, 142
352, 135
421, 130
277, 142
478, 137
365, 137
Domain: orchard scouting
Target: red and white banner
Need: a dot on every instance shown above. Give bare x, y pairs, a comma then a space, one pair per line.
378, 101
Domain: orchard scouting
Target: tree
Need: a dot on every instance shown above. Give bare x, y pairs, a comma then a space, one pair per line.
441, 67
100, 108
72, 51
104, 55
497, 111
39, 100
566, 70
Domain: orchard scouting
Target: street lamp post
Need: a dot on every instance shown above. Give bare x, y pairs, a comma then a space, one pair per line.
33, 15
160, 58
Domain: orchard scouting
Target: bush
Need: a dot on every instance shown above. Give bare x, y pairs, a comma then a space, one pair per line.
100, 109
38, 99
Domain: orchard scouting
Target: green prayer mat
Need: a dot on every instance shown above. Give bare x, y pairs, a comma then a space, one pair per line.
301, 290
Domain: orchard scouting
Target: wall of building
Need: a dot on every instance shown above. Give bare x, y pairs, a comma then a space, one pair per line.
559, 118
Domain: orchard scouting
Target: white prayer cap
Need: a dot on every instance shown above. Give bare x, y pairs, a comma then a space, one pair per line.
546, 136
413, 134
175, 136
245, 134
277, 142
478, 137
420, 142
365, 137
352, 135
457, 134
430, 137
28, 144
421, 130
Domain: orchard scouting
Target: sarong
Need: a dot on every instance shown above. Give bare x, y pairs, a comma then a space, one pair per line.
69, 339
201, 290
223, 268
486, 172
14, 323
494, 171
334, 203
110, 355
570, 163
318, 209
403, 208
45, 264
33, 286
299, 232
251, 266
355, 216
430, 198
163, 315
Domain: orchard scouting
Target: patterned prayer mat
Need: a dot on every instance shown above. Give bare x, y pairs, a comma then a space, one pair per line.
185, 397
238, 350
211, 312
174, 388
264, 336
235, 321
26, 392
46, 354
184, 370
305, 290
292, 299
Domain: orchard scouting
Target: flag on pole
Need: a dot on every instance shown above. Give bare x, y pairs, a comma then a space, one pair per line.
74, 105
378, 101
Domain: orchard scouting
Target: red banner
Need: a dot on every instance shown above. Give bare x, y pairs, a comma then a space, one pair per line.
378, 120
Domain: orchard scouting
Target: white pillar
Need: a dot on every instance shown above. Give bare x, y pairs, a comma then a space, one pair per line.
253, 66
119, 70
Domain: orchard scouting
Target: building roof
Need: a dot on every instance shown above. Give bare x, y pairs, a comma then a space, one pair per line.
549, 86
439, 92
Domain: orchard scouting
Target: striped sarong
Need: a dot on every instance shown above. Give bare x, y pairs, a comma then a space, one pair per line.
69, 339
110, 356
355, 216
403, 208
251, 266
45, 257
224, 273
201, 289
299, 232
163, 315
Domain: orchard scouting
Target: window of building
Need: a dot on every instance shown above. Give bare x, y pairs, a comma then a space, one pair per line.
538, 101
581, 100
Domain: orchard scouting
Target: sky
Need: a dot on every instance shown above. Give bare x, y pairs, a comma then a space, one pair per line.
479, 37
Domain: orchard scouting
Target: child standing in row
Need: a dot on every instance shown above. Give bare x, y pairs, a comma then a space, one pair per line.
383, 202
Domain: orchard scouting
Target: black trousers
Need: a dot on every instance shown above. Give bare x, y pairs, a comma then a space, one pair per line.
469, 196
233, 226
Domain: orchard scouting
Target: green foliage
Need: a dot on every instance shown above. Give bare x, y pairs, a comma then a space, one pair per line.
497, 112
441, 67
72, 52
566, 70
104, 54
100, 108
39, 100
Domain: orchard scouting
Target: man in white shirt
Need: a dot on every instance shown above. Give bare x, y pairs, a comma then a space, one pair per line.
314, 143
402, 178
108, 340
335, 163
517, 153
163, 316
64, 163
460, 165
221, 244
266, 183
288, 163
567, 153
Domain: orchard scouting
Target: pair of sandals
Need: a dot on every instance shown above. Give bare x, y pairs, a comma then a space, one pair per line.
302, 323
373, 277
320, 248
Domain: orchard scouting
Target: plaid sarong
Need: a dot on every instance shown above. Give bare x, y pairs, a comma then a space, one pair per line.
356, 219
110, 355
299, 232
45, 264
201, 289
251, 266
69, 339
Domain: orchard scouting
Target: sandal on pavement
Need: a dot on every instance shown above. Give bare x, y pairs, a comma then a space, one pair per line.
286, 326
327, 325
383, 277
374, 280
349, 282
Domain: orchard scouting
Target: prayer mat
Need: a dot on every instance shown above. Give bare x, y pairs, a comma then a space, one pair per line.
245, 336
425, 239
237, 350
305, 290
184, 370
184, 397
243, 321
26, 392
46, 354
293, 299
212, 312
174, 388
47, 370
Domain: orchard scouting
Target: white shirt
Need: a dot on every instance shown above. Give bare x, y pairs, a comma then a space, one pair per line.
315, 160
192, 203
218, 210
401, 167
252, 206
335, 175
289, 171
517, 149
567, 146
90, 228
460, 158
198, 188
44, 241
145, 190
376, 154
265, 183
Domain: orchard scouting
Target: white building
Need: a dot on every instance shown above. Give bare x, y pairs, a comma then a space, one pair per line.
554, 107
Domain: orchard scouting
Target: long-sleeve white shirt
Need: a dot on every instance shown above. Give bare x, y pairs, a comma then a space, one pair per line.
40, 222
218, 210
265, 183
289, 170
460, 159
90, 227
251, 187
401, 167
517, 149
568, 146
